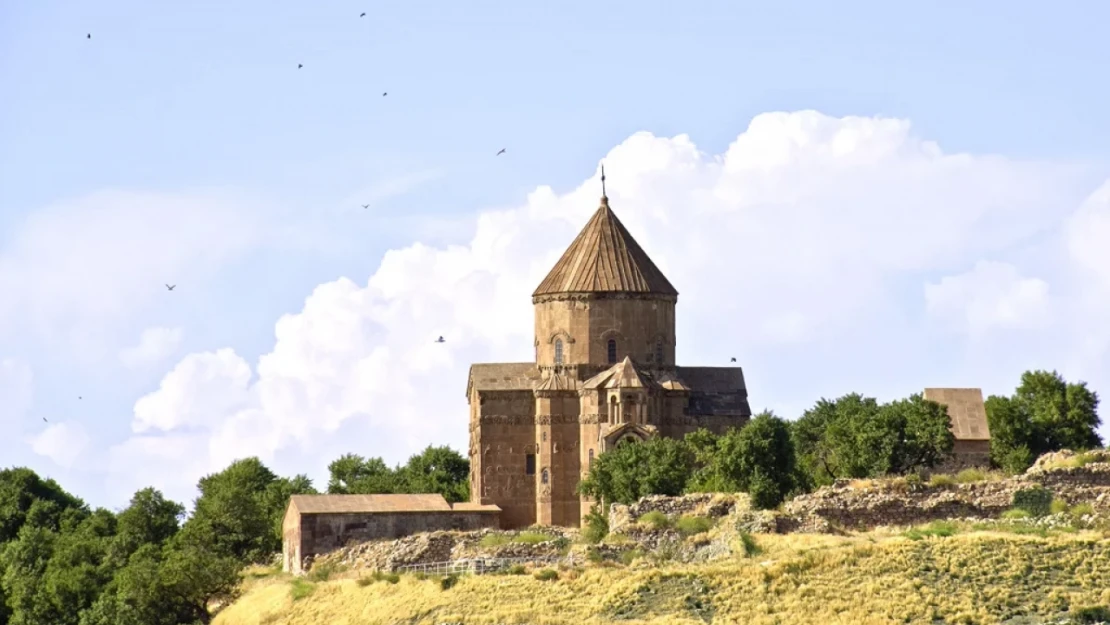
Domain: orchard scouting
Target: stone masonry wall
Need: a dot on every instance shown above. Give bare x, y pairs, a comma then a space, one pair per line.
323, 533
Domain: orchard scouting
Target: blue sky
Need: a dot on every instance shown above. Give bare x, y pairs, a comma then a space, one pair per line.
181, 144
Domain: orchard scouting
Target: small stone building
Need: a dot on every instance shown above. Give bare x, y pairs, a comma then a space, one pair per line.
972, 447
316, 524
604, 374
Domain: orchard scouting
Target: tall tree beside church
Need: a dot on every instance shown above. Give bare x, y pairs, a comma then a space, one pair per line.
1045, 413
351, 474
437, 470
658, 466
757, 459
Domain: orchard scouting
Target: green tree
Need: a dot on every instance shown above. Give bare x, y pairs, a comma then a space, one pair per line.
856, 437
19, 489
658, 466
351, 474
1046, 413
238, 513
149, 519
437, 470
757, 459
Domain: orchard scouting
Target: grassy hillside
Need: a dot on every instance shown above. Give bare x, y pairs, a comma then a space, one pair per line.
980, 577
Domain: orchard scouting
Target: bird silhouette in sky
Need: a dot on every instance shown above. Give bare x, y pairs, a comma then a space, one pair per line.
440, 340
366, 206
501, 152
733, 360
88, 36
363, 15
299, 66
171, 287
44, 420
385, 93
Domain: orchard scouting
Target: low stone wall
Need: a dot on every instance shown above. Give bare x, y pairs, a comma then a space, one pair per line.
711, 505
865, 504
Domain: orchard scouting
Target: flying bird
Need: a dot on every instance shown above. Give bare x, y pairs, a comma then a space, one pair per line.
44, 420
366, 206
385, 93
299, 66
171, 286
501, 152
440, 340
363, 15
733, 360
88, 36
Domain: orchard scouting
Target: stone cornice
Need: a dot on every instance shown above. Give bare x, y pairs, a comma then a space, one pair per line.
585, 297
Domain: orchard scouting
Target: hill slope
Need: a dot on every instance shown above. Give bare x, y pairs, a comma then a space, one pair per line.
978, 577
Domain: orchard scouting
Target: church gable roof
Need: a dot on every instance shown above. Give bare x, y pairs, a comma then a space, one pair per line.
605, 258
624, 374
502, 376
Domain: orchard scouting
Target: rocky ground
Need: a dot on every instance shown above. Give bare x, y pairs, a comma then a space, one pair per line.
848, 505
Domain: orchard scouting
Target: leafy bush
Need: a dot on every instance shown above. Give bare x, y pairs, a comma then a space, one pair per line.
448, 581
516, 569
593, 555
364, 581
1016, 513
324, 571
940, 480
1036, 500
656, 519
532, 538
494, 540
940, 529
299, 589
628, 557
1058, 506
1091, 615
751, 547
968, 476
1081, 509
546, 575
691, 525
595, 528
914, 481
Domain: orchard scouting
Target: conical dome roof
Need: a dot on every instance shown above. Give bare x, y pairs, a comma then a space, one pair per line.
604, 258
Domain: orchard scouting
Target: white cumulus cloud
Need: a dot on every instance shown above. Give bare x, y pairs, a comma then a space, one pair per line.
992, 295
155, 345
792, 251
64, 443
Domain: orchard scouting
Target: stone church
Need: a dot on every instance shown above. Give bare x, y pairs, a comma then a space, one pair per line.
604, 373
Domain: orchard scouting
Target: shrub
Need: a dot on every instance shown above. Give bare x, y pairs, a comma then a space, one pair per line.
967, 476
940, 480
516, 569
940, 529
593, 555
365, 581
323, 572
299, 589
656, 519
1081, 509
914, 481
532, 538
596, 527
691, 525
1058, 506
630, 556
1016, 513
448, 582
381, 576
421, 575
494, 540
546, 575
751, 548
1036, 500
1091, 615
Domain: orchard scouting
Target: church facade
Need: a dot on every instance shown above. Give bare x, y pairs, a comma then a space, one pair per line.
604, 373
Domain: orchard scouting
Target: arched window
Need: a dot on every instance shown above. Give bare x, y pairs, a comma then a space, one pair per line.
612, 350
558, 351
659, 351
543, 476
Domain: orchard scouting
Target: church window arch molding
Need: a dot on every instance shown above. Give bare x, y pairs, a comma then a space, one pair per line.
560, 342
559, 351
545, 476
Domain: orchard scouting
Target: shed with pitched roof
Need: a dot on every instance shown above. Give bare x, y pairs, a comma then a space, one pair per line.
972, 434
317, 524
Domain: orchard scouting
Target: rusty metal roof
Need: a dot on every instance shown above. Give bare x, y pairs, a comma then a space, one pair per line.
340, 504
965, 409
605, 258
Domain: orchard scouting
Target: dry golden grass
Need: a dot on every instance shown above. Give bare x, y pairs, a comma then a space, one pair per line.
981, 577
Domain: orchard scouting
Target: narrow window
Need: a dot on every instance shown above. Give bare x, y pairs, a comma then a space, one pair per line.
543, 437
591, 467
543, 477
659, 351
530, 464
612, 351
558, 351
